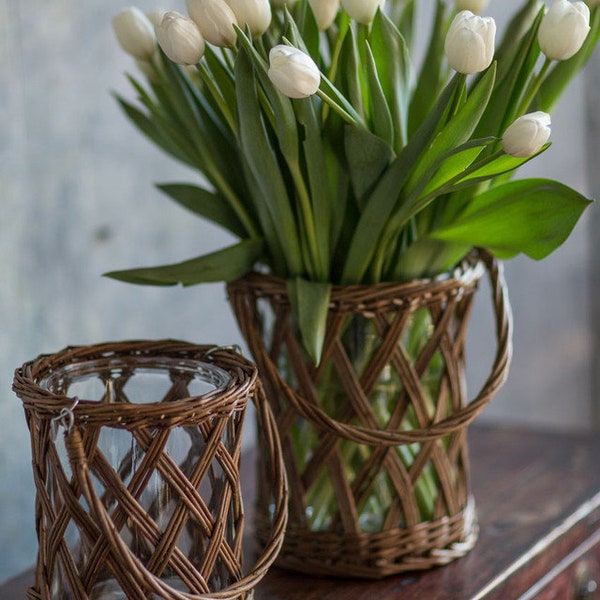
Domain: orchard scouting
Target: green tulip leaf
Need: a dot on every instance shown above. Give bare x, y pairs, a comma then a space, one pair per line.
310, 305
431, 76
214, 147
499, 166
532, 216
283, 111
427, 258
453, 164
368, 157
148, 126
339, 186
460, 127
349, 73
307, 113
222, 74
406, 19
262, 161
206, 204
383, 126
384, 197
385, 40
224, 265
519, 26
308, 29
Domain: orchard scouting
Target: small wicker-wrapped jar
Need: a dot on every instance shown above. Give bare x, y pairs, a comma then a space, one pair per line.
374, 437
136, 456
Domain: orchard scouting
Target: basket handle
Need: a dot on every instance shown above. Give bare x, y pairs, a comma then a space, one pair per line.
463, 417
141, 578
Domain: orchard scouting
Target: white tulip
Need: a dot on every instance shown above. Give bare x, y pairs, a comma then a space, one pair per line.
527, 134
135, 33
215, 20
564, 29
293, 72
475, 6
324, 11
362, 11
470, 42
254, 13
156, 16
180, 39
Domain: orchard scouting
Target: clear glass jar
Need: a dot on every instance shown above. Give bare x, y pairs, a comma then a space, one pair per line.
127, 458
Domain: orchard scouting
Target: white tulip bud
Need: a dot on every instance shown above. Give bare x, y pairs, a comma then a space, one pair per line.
564, 29
135, 33
470, 42
293, 72
254, 13
324, 11
156, 16
526, 136
180, 39
475, 6
215, 20
282, 3
362, 11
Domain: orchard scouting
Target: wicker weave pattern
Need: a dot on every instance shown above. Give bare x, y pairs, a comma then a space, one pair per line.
403, 541
104, 503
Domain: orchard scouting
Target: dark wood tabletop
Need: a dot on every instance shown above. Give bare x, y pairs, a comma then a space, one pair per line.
538, 499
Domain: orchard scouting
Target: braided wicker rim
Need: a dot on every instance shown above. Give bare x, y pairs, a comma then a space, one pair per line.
365, 299
194, 410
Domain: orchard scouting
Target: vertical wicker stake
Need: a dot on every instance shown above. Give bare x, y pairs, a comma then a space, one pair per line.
374, 437
137, 477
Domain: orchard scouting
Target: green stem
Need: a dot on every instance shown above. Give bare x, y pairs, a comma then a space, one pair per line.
333, 67
335, 57
533, 88
309, 222
218, 96
226, 54
209, 167
337, 108
238, 207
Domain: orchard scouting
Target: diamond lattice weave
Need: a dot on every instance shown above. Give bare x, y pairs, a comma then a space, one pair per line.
138, 490
374, 437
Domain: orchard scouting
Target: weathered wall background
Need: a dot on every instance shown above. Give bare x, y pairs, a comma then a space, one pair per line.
76, 200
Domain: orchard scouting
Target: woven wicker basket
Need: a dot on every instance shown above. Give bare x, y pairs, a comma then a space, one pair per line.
182, 452
317, 437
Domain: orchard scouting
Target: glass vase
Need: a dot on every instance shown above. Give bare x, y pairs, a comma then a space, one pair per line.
136, 451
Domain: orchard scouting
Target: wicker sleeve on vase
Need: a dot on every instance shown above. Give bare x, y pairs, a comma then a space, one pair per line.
420, 440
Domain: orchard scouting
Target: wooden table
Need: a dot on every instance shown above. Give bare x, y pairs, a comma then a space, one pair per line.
538, 498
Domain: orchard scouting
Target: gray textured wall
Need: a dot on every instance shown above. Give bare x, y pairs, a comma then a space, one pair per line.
76, 200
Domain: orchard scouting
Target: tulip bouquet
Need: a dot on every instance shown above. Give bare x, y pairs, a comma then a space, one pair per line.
336, 158
333, 158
